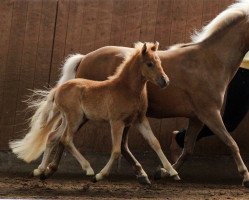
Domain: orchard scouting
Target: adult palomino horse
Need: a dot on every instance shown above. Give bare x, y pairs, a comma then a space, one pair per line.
121, 100
199, 72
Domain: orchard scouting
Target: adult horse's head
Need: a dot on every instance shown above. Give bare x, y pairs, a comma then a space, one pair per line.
151, 67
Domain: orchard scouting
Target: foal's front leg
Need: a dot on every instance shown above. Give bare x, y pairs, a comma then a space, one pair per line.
141, 174
145, 130
117, 128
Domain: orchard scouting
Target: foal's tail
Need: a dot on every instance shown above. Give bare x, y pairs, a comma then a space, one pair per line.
45, 118
43, 121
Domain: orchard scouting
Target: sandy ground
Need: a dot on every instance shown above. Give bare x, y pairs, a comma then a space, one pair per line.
202, 178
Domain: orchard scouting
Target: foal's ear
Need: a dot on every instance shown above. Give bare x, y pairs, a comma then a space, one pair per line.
155, 47
144, 49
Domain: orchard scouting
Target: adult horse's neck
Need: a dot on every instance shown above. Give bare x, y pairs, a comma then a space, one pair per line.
130, 75
229, 46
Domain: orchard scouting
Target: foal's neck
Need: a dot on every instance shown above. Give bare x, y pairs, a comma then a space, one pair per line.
130, 75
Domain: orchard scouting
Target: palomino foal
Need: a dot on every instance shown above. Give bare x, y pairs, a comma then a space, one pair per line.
121, 100
199, 73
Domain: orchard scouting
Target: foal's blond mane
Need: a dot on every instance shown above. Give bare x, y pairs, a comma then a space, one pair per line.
129, 58
223, 20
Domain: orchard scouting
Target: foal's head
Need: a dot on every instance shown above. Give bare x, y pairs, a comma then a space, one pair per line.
151, 65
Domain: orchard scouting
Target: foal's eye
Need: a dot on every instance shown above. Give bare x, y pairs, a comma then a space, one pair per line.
150, 64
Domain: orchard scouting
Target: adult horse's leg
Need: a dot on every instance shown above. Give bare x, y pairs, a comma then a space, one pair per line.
145, 130
214, 121
195, 126
140, 173
117, 129
192, 132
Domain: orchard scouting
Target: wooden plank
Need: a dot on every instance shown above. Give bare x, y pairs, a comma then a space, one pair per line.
28, 63
224, 4
45, 44
6, 10
74, 27
194, 18
163, 24
61, 30
13, 67
118, 22
148, 23
179, 13
210, 10
133, 22
103, 24
89, 25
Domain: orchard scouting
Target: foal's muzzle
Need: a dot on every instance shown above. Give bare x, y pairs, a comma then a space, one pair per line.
163, 81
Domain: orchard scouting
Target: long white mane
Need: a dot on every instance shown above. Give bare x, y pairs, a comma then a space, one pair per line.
224, 18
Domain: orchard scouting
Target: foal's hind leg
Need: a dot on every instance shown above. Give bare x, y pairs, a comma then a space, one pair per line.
117, 132
51, 143
214, 121
53, 165
74, 120
140, 173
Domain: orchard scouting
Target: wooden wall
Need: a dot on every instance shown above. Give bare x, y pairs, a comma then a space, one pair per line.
37, 35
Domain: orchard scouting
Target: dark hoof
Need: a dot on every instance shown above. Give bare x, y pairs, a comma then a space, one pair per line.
157, 175
246, 184
43, 177
30, 175
143, 180
94, 180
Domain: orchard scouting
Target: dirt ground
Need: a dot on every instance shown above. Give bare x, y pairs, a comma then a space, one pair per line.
202, 178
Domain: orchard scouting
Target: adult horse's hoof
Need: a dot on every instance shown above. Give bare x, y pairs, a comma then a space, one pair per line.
246, 184
143, 180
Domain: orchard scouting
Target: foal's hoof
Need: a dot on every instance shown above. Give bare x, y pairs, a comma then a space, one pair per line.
94, 179
176, 177
157, 175
245, 184
143, 180
43, 177
160, 173
31, 175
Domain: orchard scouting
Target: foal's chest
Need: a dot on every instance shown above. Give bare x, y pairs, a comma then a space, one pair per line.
137, 111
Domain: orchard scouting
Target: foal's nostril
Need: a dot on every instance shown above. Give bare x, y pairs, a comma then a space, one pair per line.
163, 81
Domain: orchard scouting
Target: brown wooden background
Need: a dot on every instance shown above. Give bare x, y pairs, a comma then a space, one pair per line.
36, 36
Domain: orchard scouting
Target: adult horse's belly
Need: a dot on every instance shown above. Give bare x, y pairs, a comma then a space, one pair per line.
169, 102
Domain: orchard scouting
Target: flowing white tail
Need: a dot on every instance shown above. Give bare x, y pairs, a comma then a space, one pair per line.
44, 119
